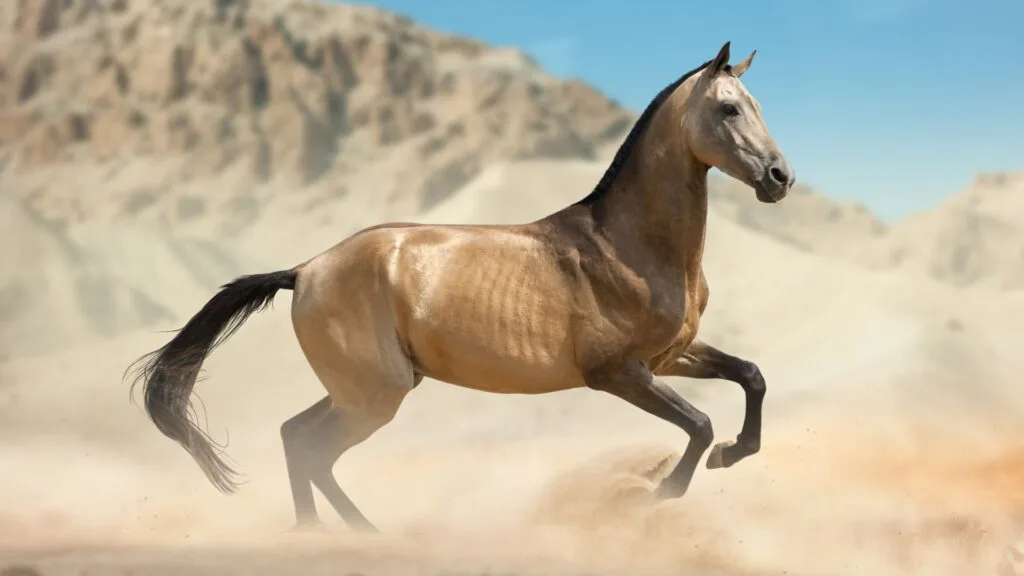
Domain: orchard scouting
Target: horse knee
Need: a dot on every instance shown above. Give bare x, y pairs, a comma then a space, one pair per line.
752, 380
703, 433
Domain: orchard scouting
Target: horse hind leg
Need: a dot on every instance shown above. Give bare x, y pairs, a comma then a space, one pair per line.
348, 334
314, 441
366, 385
293, 434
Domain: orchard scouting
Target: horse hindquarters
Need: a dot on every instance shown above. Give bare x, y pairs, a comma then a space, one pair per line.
347, 332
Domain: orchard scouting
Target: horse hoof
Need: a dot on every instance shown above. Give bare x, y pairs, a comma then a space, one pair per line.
307, 528
663, 492
716, 458
364, 527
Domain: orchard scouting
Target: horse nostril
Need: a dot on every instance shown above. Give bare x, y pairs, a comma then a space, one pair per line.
779, 175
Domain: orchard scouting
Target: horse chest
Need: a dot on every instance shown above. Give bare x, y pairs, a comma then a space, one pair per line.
667, 314
675, 313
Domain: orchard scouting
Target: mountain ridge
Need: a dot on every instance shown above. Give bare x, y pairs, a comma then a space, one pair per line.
207, 131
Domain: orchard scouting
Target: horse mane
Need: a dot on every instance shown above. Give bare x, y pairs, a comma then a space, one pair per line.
626, 148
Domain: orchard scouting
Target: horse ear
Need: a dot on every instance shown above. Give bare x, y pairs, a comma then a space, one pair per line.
720, 61
740, 68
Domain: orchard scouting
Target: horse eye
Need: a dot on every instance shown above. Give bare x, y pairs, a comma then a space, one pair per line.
730, 110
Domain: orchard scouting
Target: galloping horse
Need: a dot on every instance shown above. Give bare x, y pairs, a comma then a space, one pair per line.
606, 293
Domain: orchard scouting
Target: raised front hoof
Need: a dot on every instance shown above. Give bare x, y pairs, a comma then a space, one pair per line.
725, 454
721, 455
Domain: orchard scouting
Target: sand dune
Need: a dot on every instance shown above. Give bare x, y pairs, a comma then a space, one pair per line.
63, 287
973, 238
53, 293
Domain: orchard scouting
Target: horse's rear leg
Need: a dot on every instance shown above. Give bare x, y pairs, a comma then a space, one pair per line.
328, 439
314, 441
345, 325
293, 433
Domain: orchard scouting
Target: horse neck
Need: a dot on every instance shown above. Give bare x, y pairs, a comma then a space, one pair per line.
659, 202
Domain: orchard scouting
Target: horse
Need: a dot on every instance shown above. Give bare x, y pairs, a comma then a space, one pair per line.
606, 293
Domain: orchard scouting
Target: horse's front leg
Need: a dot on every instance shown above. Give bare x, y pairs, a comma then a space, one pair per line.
634, 383
700, 360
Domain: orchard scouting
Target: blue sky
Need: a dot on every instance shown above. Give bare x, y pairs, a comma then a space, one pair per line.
892, 103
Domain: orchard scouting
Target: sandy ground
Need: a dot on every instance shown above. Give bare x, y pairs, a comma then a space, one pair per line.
817, 501
893, 439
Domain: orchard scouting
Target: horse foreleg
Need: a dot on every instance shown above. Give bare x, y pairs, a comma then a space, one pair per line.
700, 360
634, 383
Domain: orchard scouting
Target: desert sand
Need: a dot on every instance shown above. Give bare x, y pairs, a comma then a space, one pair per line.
894, 422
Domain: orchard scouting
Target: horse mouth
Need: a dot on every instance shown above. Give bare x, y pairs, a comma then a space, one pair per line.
764, 195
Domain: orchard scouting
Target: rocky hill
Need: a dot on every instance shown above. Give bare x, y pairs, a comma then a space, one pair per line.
976, 237
198, 113
151, 149
60, 287
806, 220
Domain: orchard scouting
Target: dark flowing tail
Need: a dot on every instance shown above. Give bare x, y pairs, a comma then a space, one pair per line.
168, 374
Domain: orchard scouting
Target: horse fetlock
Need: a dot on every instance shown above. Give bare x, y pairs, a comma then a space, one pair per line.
747, 446
718, 458
670, 488
725, 454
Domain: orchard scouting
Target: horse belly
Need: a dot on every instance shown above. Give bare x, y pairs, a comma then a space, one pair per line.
531, 353
494, 371
491, 316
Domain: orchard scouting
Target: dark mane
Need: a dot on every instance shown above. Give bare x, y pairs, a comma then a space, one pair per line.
626, 148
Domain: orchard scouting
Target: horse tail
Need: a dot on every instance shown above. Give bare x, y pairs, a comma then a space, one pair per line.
168, 374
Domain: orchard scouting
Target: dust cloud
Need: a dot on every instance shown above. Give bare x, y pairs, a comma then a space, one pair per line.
857, 482
892, 444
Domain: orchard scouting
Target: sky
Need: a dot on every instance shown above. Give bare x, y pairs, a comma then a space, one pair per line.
895, 104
